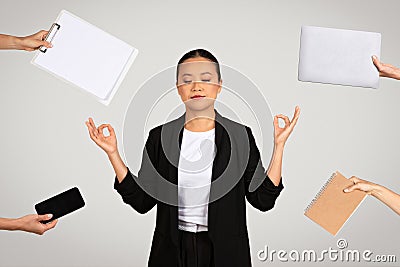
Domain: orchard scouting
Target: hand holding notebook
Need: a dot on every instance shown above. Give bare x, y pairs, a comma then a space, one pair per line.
332, 207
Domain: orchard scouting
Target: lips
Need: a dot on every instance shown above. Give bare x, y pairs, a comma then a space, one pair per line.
197, 96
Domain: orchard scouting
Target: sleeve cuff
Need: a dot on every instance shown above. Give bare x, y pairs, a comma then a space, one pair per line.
126, 185
270, 187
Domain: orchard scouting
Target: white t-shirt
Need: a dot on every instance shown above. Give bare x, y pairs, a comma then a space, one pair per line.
194, 179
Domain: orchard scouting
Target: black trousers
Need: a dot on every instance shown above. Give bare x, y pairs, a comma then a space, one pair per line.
196, 249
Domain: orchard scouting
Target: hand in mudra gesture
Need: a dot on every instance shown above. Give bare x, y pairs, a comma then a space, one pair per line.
282, 134
107, 143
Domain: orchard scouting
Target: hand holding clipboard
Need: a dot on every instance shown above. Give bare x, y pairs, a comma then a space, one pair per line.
97, 64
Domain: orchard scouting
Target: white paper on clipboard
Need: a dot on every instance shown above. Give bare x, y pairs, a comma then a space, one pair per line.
87, 57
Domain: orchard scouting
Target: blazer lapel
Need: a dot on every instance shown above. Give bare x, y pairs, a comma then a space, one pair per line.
173, 137
219, 134
217, 169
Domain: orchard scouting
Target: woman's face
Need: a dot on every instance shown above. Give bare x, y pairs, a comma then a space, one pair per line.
198, 84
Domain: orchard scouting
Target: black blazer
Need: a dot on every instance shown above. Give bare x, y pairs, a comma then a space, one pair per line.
237, 173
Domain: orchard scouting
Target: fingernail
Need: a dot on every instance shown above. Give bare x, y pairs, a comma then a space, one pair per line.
346, 190
374, 57
49, 216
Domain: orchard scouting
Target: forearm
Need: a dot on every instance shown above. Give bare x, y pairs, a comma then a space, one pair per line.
9, 224
119, 166
9, 42
274, 171
390, 198
394, 73
397, 74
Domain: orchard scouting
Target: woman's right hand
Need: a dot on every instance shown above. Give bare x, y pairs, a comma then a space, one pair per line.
107, 143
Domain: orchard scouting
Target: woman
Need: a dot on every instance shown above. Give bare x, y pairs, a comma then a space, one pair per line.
206, 226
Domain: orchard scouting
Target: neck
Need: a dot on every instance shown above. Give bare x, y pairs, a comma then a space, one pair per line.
200, 121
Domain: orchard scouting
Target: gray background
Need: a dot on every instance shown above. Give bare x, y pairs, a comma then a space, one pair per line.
46, 149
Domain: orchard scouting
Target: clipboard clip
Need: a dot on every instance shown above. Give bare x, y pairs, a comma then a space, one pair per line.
50, 36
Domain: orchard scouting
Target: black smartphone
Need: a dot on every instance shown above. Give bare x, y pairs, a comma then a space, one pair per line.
61, 204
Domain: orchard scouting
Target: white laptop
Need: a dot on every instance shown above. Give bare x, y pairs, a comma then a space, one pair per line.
337, 56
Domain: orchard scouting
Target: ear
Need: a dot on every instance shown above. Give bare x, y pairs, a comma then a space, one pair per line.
220, 86
178, 88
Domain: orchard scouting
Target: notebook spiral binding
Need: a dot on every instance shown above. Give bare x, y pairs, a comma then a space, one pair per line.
320, 192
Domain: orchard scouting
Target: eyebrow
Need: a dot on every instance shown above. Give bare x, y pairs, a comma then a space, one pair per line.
207, 72
203, 73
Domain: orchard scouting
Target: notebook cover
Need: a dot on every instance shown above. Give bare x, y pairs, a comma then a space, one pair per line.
332, 207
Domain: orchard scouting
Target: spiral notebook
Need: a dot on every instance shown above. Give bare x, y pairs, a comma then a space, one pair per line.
331, 207
87, 57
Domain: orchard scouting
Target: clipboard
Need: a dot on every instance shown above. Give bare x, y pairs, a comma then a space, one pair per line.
86, 56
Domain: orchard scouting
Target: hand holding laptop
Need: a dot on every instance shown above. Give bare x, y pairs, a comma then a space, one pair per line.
337, 56
386, 70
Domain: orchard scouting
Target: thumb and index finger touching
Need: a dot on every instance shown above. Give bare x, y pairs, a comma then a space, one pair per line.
288, 123
95, 132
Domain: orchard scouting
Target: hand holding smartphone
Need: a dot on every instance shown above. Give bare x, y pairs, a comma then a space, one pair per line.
61, 204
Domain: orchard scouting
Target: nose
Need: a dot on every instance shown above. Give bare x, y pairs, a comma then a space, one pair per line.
197, 86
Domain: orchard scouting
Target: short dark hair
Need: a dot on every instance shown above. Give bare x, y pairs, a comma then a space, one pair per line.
199, 53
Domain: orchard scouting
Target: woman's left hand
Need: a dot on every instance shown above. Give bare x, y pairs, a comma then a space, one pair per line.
282, 134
